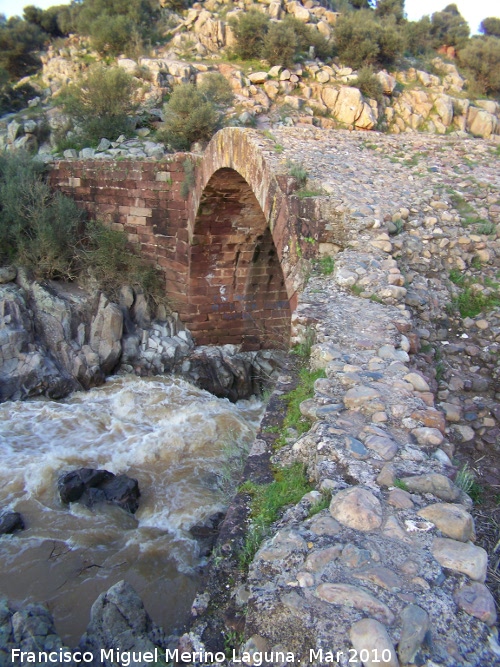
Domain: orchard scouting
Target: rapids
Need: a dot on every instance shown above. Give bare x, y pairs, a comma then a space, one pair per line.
180, 442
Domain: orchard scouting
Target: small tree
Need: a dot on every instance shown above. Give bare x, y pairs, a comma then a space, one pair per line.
280, 45
250, 28
307, 36
418, 36
116, 25
369, 85
102, 103
490, 26
215, 88
449, 28
189, 117
391, 8
481, 58
361, 39
19, 43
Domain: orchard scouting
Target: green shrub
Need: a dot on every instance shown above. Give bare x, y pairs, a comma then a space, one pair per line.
417, 36
362, 39
297, 171
116, 26
391, 8
216, 88
101, 104
490, 26
369, 85
267, 500
189, 117
280, 45
481, 59
47, 233
449, 28
13, 97
249, 28
307, 36
19, 43
53, 21
107, 260
37, 228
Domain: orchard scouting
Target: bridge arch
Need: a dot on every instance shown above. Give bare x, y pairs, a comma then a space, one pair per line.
239, 289
236, 290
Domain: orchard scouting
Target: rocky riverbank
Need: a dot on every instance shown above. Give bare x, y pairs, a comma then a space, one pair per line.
56, 338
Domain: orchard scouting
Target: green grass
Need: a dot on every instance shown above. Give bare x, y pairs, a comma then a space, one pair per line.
400, 484
321, 504
326, 266
456, 277
267, 501
470, 303
304, 390
466, 480
486, 228
303, 350
357, 289
298, 171
303, 193
376, 299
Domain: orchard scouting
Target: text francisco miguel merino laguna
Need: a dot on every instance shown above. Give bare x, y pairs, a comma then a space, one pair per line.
131, 658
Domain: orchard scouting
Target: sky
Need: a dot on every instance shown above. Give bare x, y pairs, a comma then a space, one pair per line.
474, 11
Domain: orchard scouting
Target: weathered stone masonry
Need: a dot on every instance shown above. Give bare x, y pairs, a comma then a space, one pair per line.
225, 229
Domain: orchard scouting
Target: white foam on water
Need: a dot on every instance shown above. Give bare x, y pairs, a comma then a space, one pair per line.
171, 436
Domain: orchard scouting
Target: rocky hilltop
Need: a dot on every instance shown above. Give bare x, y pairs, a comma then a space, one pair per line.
324, 94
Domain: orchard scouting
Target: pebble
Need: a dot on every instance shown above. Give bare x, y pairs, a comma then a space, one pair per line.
476, 600
359, 598
415, 625
434, 483
452, 520
357, 508
465, 558
371, 637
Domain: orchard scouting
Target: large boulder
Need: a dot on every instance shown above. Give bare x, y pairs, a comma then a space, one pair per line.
10, 522
106, 333
349, 105
118, 619
481, 123
91, 487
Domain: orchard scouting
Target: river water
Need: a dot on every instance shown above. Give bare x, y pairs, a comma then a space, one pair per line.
180, 442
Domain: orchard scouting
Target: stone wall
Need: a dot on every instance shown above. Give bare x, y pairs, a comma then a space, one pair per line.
226, 230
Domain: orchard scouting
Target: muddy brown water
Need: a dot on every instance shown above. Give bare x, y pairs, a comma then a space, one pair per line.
181, 443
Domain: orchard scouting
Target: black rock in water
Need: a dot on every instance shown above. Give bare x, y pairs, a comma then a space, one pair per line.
207, 532
91, 487
10, 522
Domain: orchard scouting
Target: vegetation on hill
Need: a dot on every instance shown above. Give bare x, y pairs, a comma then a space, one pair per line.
101, 104
368, 35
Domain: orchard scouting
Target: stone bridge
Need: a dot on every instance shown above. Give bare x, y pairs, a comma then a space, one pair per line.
226, 228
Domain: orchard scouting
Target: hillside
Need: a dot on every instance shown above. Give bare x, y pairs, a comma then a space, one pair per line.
286, 63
